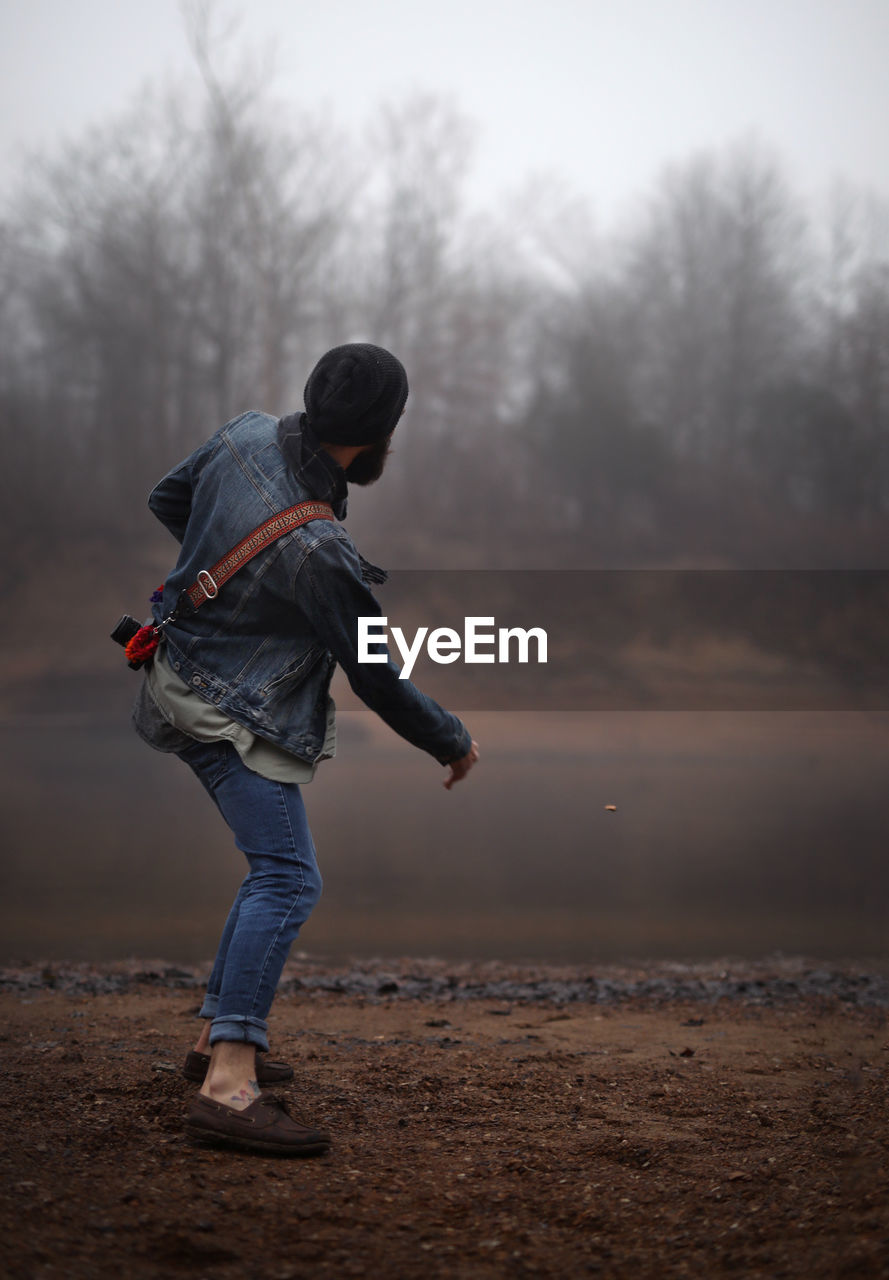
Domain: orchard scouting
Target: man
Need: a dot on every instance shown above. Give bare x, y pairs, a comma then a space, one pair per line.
238, 687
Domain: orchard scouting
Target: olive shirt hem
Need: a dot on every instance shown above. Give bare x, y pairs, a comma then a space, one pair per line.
169, 716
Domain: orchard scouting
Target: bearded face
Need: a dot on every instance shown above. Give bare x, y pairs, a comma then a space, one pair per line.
366, 467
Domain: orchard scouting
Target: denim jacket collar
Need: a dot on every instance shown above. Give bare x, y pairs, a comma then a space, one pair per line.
311, 465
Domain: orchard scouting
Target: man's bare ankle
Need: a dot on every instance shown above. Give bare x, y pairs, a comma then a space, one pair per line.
203, 1040
231, 1076
233, 1093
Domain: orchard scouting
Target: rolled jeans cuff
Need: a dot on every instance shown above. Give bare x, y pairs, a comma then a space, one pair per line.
241, 1030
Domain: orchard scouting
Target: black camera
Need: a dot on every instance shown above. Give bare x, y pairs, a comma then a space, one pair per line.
125, 629
123, 634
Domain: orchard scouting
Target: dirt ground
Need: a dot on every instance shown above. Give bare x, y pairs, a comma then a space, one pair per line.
473, 1138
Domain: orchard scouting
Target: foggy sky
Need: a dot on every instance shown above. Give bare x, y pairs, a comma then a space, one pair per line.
602, 94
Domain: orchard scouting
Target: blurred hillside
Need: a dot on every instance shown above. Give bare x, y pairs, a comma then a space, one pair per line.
706, 385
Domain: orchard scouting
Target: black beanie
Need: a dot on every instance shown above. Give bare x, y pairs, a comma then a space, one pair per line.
355, 394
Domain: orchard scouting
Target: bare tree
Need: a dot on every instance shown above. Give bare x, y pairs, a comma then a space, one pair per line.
714, 277
858, 329
176, 264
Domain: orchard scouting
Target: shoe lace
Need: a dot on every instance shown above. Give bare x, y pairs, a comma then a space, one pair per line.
281, 1104
275, 1100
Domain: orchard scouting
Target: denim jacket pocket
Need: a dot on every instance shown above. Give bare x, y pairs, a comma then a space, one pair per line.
297, 672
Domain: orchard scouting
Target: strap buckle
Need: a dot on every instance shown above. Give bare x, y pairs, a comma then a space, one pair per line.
207, 584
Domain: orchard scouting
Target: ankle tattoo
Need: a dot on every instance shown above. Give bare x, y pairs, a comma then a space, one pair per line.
248, 1094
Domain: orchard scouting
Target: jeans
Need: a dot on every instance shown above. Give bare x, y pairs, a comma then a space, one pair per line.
268, 820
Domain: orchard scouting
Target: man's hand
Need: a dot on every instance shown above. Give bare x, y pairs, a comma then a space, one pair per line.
460, 768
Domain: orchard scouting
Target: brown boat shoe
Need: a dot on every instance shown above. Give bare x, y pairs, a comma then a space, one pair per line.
266, 1125
196, 1066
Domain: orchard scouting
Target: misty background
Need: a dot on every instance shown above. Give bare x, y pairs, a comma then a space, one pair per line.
701, 383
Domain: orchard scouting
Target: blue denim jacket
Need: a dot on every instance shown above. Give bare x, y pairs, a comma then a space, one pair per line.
265, 649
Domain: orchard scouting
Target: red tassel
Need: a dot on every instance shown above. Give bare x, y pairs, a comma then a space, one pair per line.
142, 645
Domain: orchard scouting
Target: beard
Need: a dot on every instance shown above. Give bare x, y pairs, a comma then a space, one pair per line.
368, 466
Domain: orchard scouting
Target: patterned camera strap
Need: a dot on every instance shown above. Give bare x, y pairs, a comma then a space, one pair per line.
208, 582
